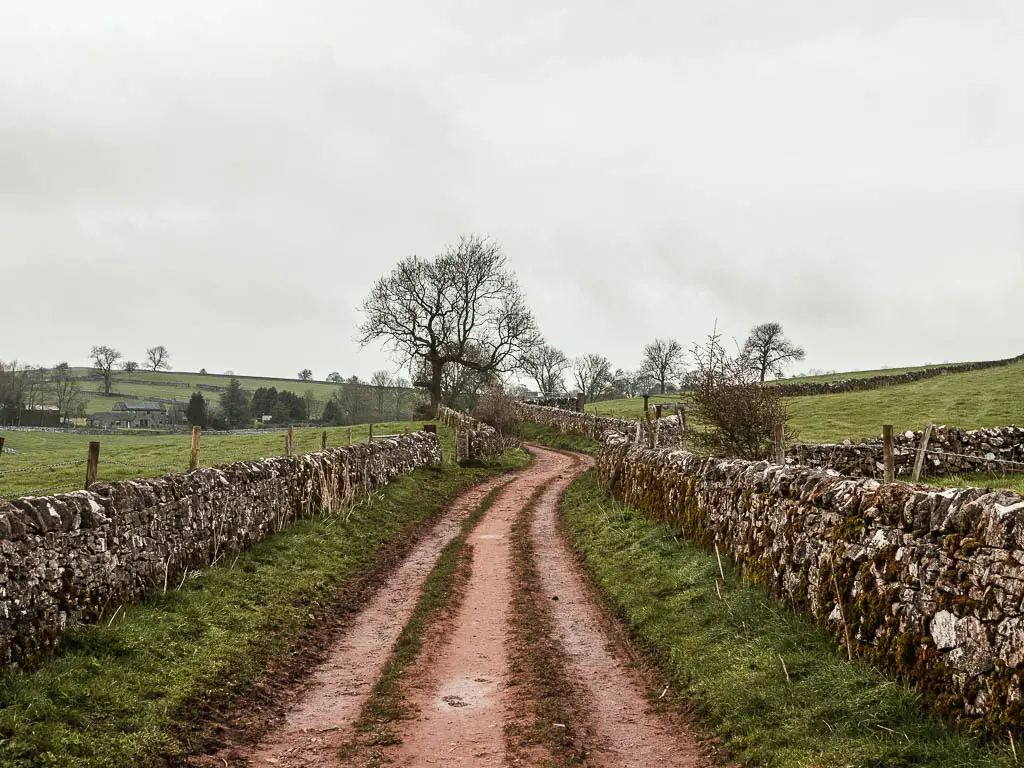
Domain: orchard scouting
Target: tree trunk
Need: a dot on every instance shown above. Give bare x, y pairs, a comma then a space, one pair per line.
435, 384
663, 386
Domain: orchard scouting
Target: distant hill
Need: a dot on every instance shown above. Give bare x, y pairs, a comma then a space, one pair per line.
179, 385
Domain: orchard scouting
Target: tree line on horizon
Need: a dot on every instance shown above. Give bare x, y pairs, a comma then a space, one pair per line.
461, 323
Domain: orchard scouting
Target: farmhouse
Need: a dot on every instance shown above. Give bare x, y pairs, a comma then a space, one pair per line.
131, 413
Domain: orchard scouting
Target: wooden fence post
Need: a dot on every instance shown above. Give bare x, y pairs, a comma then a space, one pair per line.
890, 461
919, 459
369, 437
581, 402
779, 443
350, 435
646, 398
2, 446
288, 442
193, 459
681, 414
93, 463
323, 441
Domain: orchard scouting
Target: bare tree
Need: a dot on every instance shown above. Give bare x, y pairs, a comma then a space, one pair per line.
159, 358
463, 307
769, 351
662, 361
380, 381
593, 375
130, 366
305, 375
66, 393
547, 365
314, 407
34, 387
104, 359
462, 386
400, 387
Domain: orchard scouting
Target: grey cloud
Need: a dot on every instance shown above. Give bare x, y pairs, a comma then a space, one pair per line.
648, 167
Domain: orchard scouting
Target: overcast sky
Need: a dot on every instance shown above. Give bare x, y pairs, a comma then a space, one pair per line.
229, 178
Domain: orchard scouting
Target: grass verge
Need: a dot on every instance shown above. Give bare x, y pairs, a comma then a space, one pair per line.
439, 598
552, 438
727, 654
132, 690
544, 716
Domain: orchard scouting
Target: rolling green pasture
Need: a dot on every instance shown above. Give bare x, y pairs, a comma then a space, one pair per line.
986, 398
843, 375
159, 385
124, 457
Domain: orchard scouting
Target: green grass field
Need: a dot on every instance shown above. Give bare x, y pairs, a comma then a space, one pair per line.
986, 398
129, 456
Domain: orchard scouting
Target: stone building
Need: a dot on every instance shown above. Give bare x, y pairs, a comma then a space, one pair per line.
131, 414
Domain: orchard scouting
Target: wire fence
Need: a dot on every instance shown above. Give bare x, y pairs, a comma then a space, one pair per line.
907, 450
43, 466
136, 465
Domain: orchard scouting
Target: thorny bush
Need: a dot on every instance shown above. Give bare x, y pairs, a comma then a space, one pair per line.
740, 412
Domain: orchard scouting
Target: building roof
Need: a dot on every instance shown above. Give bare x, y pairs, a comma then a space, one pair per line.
138, 405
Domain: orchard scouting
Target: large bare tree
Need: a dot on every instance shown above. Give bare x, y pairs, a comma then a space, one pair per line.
463, 308
593, 375
158, 358
768, 350
104, 359
662, 362
547, 365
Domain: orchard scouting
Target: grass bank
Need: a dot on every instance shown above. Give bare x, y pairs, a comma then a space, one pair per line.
552, 438
124, 457
124, 692
726, 654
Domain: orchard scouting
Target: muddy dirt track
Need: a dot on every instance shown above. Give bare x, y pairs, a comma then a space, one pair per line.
460, 686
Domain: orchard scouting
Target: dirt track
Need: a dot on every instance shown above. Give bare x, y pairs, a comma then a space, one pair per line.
460, 683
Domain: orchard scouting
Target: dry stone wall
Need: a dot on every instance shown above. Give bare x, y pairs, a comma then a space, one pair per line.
576, 423
65, 559
931, 583
474, 439
950, 451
